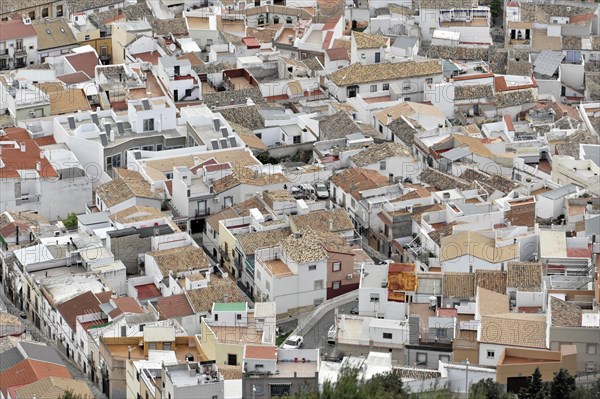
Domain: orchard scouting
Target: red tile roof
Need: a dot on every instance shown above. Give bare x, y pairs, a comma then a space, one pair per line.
500, 84
28, 371
15, 159
85, 62
147, 291
16, 29
331, 23
125, 305
575, 19
174, 306
72, 78
509, 123
251, 42
355, 180
85, 303
327, 41
218, 167
337, 54
260, 352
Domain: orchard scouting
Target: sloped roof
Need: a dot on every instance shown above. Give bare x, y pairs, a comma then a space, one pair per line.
319, 220
493, 280
459, 285
174, 306
355, 180
514, 329
380, 152
59, 35
564, 314
52, 388
250, 242
358, 73
29, 371
490, 302
86, 303
366, 40
84, 62
524, 276
129, 184
305, 248
477, 245
218, 290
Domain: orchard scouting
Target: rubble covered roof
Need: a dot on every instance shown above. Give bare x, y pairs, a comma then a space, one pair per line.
524, 276
380, 152
358, 73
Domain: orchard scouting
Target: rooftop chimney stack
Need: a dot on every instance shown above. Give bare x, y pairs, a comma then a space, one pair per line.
23, 147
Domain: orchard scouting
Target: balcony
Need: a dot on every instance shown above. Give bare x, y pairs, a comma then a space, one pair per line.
4, 52
202, 212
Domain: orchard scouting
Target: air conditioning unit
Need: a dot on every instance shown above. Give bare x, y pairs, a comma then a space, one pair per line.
216, 199
349, 276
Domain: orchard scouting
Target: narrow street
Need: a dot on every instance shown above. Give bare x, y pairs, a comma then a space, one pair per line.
38, 336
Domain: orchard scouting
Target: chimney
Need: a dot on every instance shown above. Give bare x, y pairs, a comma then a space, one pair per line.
23, 147
330, 224
391, 178
588, 207
389, 118
38, 166
297, 235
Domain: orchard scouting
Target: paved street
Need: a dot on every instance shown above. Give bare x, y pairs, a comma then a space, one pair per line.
317, 336
37, 335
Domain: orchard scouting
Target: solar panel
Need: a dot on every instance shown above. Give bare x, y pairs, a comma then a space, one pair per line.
95, 119
547, 62
224, 131
215, 144
103, 139
120, 128
232, 142
223, 143
71, 123
146, 104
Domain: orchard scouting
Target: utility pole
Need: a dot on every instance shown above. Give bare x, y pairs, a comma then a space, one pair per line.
467, 378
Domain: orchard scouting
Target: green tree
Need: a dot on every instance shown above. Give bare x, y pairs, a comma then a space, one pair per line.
496, 8
562, 385
70, 221
487, 389
536, 388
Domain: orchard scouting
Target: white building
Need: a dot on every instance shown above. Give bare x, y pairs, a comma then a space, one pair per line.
178, 77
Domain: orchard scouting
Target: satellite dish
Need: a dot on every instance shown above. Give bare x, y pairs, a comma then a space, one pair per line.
172, 47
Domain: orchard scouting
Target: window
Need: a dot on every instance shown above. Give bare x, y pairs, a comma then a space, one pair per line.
318, 284
86, 37
429, 81
148, 125
44, 12
591, 349
312, 267
228, 201
159, 147
216, 317
421, 358
336, 285
441, 333
148, 148
382, 165
152, 345
288, 20
336, 266
373, 88
297, 139
387, 335
444, 358
19, 44
386, 86
491, 354
32, 15
470, 268
374, 297
258, 276
268, 285
166, 346
352, 203
258, 135
238, 316
104, 51
380, 128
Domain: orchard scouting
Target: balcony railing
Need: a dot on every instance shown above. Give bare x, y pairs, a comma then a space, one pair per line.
3, 52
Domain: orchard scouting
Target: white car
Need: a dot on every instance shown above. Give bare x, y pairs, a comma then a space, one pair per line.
331, 335
322, 191
293, 342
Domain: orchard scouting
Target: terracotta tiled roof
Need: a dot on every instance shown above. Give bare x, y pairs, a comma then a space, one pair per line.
338, 54
355, 180
380, 152
14, 160
248, 117
459, 285
53, 387
443, 181
401, 279
493, 280
218, 290
489, 181
124, 305
128, 184
16, 29
305, 248
86, 303
29, 371
367, 40
250, 242
73, 78
358, 73
136, 213
179, 259
174, 306
447, 4
320, 221
514, 329
477, 245
63, 100
564, 314
524, 276
84, 62
490, 302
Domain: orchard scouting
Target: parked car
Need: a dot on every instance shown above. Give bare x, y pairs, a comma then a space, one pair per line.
354, 310
293, 342
322, 191
331, 335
